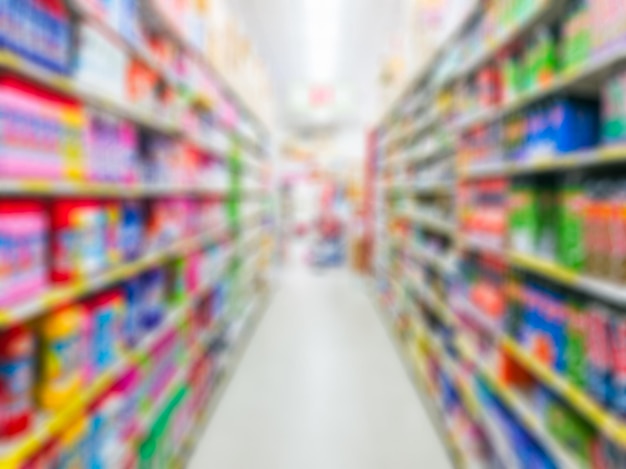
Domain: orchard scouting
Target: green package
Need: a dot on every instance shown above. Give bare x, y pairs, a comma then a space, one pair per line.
576, 342
571, 237
547, 224
571, 430
524, 218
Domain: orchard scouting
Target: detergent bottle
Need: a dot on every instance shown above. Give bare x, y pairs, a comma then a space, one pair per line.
60, 357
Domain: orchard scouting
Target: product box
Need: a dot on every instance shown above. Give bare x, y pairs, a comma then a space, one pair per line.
23, 251
571, 430
111, 149
614, 108
38, 31
574, 124
577, 36
40, 133
100, 64
571, 224
79, 239
608, 24
618, 353
576, 351
524, 218
601, 365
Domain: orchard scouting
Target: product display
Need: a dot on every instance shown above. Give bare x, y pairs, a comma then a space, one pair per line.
505, 274
125, 165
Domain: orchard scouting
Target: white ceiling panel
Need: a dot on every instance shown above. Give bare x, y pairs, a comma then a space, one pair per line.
282, 34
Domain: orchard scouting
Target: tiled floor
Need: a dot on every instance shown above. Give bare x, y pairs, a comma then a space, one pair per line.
320, 387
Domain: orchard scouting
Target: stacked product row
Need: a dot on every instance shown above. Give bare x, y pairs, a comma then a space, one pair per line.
130, 254
507, 268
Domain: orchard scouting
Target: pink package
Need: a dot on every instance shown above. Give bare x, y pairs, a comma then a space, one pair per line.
23, 251
192, 273
163, 359
111, 147
39, 132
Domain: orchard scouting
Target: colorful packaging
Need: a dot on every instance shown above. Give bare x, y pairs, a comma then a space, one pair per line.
614, 108
618, 354
73, 446
176, 285
524, 218
571, 238
114, 420
23, 251
111, 149
100, 64
577, 365
131, 324
152, 309
571, 430
79, 239
103, 325
600, 373
577, 36
17, 349
40, 133
39, 31
61, 357
131, 230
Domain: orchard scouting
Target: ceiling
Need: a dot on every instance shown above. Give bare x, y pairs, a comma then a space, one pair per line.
325, 52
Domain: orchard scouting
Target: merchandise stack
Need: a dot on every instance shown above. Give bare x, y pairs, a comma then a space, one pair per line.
136, 232
501, 241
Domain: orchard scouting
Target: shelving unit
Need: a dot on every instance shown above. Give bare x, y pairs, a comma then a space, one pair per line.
214, 261
449, 266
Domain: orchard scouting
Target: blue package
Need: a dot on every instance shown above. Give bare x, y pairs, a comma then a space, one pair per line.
556, 326
34, 31
131, 230
576, 124
131, 326
152, 306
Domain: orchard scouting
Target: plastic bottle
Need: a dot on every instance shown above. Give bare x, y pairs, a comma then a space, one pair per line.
16, 381
60, 357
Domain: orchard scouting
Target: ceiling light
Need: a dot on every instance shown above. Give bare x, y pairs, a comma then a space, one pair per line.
322, 24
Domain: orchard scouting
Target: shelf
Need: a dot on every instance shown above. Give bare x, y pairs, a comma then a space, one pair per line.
592, 71
420, 155
147, 421
14, 455
518, 404
67, 86
107, 190
438, 262
437, 306
143, 117
59, 296
602, 289
600, 417
583, 403
603, 156
165, 22
431, 223
542, 10
477, 244
435, 187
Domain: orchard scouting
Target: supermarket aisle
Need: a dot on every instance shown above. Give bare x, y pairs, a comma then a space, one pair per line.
320, 386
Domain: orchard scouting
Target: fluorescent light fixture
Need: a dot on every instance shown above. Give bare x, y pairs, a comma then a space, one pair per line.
322, 19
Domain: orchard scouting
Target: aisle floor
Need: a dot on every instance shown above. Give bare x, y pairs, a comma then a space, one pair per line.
320, 386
